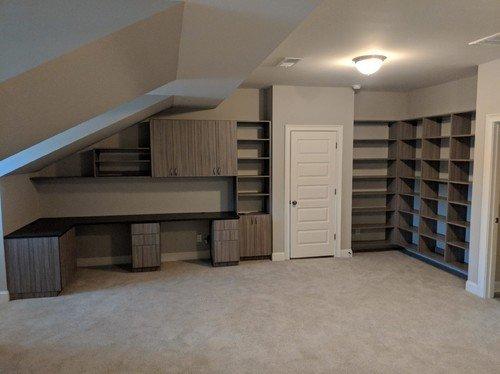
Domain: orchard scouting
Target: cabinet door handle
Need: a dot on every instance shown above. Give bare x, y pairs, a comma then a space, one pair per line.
171, 171
218, 171
175, 171
214, 172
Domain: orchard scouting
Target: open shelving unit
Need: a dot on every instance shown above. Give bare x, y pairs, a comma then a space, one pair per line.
431, 178
374, 186
253, 187
120, 162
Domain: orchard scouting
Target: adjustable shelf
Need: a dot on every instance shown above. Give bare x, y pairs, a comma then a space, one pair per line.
120, 162
430, 161
253, 182
374, 185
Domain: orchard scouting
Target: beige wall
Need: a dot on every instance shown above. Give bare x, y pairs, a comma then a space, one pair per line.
454, 96
20, 202
107, 197
450, 97
310, 106
380, 105
488, 102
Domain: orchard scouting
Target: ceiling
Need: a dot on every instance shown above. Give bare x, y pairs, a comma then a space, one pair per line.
32, 32
425, 42
192, 54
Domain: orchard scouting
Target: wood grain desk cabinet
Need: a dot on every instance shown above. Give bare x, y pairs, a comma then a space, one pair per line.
225, 249
146, 250
40, 266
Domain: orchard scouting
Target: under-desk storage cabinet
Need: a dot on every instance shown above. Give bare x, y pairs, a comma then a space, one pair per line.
40, 266
255, 236
193, 148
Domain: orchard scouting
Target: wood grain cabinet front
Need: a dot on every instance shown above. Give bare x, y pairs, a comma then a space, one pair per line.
225, 243
255, 236
146, 250
40, 266
193, 148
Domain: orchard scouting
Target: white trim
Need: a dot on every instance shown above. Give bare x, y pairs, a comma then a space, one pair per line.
183, 256
473, 288
4, 297
84, 262
338, 160
487, 236
279, 256
345, 253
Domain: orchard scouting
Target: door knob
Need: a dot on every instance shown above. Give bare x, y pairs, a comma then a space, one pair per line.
294, 203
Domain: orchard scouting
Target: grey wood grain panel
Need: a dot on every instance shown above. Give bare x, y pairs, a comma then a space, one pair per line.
227, 148
162, 151
67, 257
247, 236
225, 243
146, 250
263, 235
206, 147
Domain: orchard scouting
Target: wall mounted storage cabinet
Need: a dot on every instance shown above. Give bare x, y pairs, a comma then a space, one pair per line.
189, 148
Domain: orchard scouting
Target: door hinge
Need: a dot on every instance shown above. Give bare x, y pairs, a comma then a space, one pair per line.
335, 192
334, 236
336, 145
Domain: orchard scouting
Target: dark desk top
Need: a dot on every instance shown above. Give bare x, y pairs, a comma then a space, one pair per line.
44, 227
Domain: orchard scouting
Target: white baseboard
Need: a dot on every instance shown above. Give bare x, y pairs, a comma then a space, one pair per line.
345, 253
279, 256
4, 297
102, 261
473, 288
497, 286
183, 256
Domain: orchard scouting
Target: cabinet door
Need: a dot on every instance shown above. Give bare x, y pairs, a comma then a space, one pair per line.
247, 236
263, 235
226, 148
206, 148
184, 148
162, 148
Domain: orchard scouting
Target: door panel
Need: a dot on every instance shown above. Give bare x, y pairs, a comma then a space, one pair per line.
226, 148
312, 182
184, 148
247, 236
263, 235
162, 148
206, 148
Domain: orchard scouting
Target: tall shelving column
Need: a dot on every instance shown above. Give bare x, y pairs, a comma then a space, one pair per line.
254, 167
374, 186
434, 188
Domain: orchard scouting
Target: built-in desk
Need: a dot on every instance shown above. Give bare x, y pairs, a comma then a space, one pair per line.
41, 256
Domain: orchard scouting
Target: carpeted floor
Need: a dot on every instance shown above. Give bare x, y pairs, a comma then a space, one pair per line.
374, 313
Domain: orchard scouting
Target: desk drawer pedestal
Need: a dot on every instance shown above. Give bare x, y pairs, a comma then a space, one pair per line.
225, 249
146, 251
40, 266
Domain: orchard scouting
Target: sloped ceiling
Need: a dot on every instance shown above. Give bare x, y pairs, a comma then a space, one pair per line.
34, 32
191, 54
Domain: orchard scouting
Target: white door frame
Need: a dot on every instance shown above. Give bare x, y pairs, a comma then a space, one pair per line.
490, 200
338, 197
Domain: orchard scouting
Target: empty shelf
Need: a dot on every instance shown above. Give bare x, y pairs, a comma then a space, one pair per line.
437, 180
252, 194
362, 245
252, 176
367, 176
413, 229
371, 226
461, 182
413, 211
436, 217
374, 140
435, 236
462, 245
459, 223
253, 140
370, 192
371, 209
374, 159
464, 203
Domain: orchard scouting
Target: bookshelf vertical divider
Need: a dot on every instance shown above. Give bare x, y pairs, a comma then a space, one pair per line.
428, 188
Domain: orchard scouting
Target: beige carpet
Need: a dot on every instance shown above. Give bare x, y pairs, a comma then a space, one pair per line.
375, 313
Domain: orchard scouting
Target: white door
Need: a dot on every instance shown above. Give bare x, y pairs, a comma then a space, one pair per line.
313, 180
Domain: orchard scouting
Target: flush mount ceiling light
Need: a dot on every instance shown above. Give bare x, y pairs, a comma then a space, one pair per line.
368, 64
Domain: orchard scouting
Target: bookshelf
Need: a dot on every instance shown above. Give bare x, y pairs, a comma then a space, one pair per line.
253, 187
374, 186
431, 178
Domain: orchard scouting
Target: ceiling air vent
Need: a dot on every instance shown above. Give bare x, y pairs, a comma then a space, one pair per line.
493, 39
288, 62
